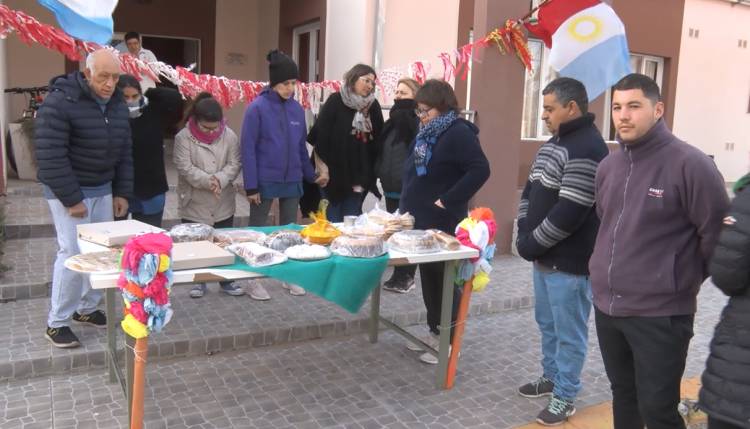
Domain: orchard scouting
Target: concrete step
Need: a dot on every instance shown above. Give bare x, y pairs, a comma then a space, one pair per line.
29, 216
219, 323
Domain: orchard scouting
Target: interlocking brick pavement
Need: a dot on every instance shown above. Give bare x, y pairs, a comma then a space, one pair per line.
218, 322
331, 383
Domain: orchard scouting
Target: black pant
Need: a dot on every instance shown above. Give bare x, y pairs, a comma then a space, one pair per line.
151, 219
226, 223
391, 204
645, 358
719, 424
432, 293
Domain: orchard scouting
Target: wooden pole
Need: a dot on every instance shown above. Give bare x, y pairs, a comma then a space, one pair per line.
458, 332
139, 382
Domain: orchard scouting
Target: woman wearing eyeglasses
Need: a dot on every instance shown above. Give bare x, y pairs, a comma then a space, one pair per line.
445, 168
344, 138
207, 158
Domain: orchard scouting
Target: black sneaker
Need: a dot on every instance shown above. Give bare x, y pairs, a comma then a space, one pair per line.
62, 337
536, 389
557, 412
400, 284
96, 319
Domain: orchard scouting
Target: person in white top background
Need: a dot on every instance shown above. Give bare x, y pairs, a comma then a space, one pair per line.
132, 41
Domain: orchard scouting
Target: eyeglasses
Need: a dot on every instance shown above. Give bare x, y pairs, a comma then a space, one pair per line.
367, 81
421, 113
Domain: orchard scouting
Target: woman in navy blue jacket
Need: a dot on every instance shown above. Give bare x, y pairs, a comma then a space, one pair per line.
445, 169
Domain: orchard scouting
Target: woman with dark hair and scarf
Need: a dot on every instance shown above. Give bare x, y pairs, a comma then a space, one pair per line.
393, 150
207, 158
150, 115
445, 168
344, 138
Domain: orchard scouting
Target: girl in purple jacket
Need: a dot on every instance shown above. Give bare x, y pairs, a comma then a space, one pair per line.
275, 160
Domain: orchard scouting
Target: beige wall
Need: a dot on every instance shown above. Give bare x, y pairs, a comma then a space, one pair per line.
713, 84
29, 65
419, 29
245, 30
350, 29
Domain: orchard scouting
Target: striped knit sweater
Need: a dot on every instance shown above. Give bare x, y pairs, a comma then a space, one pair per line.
557, 224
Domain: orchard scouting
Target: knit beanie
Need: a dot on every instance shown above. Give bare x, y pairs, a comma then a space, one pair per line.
280, 67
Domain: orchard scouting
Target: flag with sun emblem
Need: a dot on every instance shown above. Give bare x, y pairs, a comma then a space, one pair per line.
587, 42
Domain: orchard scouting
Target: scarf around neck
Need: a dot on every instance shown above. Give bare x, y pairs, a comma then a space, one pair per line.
202, 136
427, 137
361, 124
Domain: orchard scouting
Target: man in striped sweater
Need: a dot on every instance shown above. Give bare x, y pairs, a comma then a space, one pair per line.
557, 227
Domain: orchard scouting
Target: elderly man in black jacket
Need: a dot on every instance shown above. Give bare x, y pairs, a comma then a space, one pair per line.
84, 156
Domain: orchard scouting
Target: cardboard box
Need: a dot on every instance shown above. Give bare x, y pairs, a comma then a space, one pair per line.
114, 233
199, 254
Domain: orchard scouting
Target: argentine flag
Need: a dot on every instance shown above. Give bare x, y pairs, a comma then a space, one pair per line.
587, 42
89, 20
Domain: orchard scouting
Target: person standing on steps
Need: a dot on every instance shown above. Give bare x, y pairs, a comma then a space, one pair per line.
150, 114
344, 138
83, 149
393, 150
207, 158
275, 160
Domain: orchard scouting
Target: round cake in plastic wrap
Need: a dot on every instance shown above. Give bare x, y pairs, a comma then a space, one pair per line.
187, 232
225, 237
358, 246
283, 239
414, 241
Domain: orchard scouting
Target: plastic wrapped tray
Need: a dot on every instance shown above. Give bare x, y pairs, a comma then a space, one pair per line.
225, 237
187, 232
256, 255
308, 252
358, 246
414, 241
283, 239
447, 241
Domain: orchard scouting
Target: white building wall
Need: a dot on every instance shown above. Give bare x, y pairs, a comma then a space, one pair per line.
713, 84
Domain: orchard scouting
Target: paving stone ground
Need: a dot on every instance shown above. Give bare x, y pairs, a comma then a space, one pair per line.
331, 383
218, 322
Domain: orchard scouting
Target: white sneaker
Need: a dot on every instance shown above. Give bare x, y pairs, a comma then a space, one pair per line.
433, 360
294, 290
258, 292
431, 339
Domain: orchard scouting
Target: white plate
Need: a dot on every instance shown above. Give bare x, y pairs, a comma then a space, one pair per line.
70, 263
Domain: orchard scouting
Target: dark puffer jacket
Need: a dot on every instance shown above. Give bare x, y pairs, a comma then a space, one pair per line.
76, 144
726, 382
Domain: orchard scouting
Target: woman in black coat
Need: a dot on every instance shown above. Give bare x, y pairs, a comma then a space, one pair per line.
445, 168
344, 138
725, 395
150, 115
394, 146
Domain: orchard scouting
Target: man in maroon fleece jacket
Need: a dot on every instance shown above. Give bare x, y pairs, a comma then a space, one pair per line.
661, 204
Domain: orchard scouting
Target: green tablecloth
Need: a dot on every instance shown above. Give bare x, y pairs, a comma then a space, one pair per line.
344, 281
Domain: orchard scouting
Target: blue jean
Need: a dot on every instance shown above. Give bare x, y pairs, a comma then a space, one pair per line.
72, 291
562, 309
351, 205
